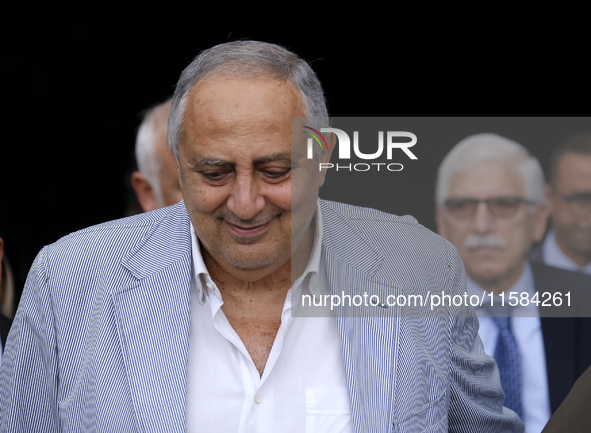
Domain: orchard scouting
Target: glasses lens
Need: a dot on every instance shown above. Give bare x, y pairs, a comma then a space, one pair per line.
504, 206
461, 207
581, 203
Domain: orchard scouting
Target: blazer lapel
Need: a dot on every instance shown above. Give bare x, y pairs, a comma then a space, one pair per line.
153, 319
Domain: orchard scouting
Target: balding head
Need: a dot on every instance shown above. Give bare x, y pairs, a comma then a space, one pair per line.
247, 60
156, 182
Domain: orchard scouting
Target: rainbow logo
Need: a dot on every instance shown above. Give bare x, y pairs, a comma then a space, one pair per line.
316, 138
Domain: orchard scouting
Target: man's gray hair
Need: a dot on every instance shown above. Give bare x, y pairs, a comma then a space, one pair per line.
479, 148
246, 59
153, 123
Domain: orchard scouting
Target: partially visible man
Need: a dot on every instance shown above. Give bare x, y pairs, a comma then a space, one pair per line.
181, 319
573, 415
568, 243
490, 204
6, 297
156, 182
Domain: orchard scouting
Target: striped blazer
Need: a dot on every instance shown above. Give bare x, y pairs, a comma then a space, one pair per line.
100, 339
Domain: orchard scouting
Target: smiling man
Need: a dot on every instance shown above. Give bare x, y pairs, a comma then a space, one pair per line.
491, 206
183, 319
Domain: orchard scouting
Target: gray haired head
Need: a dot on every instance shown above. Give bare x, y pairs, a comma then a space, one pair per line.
246, 59
479, 148
151, 129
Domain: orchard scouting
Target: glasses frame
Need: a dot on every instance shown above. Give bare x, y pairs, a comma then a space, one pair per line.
488, 201
569, 199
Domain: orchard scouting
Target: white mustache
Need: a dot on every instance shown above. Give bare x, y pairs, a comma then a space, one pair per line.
477, 241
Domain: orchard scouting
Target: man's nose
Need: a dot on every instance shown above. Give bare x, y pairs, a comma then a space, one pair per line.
483, 220
246, 200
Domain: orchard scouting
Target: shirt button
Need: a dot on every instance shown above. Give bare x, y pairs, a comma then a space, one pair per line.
314, 286
258, 398
210, 286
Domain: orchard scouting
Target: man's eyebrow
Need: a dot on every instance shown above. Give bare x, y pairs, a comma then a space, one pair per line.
274, 157
266, 159
217, 162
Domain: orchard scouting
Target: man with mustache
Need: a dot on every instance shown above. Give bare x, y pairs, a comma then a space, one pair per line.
490, 204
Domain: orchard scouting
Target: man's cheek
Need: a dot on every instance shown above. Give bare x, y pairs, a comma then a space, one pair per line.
203, 202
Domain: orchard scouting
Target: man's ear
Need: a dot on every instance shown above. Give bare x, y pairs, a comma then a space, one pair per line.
439, 221
549, 197
540, 221
144, 191
331, 141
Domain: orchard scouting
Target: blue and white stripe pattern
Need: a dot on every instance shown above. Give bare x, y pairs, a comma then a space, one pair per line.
409, 374
100, 339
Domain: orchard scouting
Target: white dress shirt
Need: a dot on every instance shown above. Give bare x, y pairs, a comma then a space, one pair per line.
528, 335
553, 256
303, 386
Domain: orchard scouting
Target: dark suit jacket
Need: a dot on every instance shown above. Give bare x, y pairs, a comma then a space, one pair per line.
567, 340
537, 254
574, 415
5, 323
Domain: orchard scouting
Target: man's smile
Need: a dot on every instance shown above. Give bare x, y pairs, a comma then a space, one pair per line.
247, 232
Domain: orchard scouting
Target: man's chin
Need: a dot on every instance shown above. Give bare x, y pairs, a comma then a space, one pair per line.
486, 275
249, 265
486, 251
583, 242
258, 258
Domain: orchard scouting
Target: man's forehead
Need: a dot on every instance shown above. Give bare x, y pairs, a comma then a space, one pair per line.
241, 93
574, 167
487, 179
236, 107
254, 127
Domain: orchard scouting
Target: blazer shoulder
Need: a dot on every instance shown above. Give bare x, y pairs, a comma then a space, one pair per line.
119, 230
404, 246
352, 212
104, 246
370, 220
573, 289
131, 223
549, 278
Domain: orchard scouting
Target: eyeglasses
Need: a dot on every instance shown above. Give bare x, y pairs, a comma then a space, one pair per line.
500, 207
579, 202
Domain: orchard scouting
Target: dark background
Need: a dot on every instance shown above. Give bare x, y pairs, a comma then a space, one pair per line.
75, 80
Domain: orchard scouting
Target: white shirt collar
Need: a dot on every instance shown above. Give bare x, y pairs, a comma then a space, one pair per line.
554, 256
